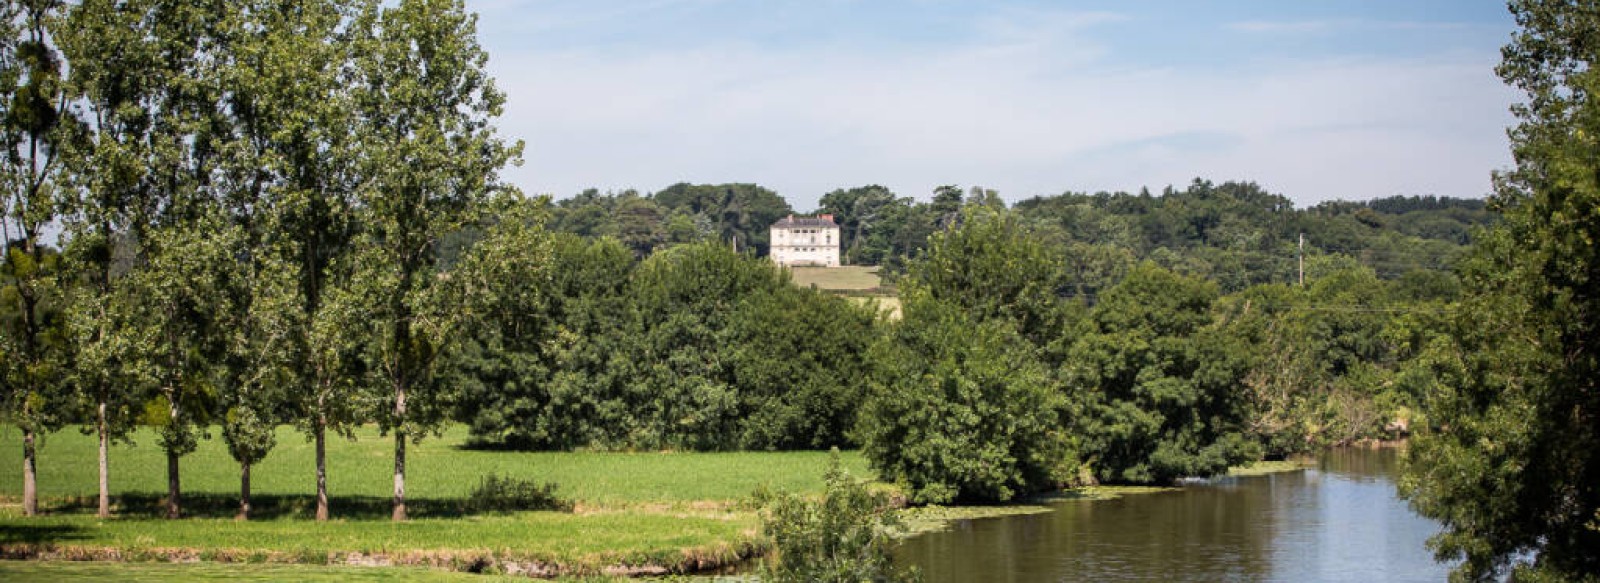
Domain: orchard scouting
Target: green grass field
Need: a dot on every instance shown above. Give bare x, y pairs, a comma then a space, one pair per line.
842, 278
56, 571
437, 469
851, 279
633, 509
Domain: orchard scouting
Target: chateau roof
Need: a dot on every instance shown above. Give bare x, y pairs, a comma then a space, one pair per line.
824, 221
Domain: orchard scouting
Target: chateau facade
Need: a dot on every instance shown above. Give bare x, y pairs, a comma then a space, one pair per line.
812, 241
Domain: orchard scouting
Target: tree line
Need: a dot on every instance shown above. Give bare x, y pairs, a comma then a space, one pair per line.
1235, 233
249, 200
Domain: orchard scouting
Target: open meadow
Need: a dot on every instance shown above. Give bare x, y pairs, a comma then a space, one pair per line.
842, 278
860, 283
650, 512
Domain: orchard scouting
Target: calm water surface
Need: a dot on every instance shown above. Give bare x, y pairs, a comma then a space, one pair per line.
1339, 521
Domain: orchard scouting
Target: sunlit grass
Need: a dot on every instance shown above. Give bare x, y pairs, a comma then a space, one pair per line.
551, 538
845, 277
650, 510
438, 469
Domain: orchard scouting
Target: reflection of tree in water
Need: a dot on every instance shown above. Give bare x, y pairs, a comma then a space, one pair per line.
1360, 463
1331, 523
1217, 532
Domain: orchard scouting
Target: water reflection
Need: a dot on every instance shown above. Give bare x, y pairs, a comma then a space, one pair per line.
1338, 522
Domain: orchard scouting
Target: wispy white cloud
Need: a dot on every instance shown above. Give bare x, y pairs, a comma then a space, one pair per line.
1320, 26
1034, 104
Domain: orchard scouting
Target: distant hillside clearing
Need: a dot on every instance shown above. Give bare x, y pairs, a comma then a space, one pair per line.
843, 278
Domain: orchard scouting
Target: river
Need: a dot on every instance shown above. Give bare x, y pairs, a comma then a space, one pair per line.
1337, 521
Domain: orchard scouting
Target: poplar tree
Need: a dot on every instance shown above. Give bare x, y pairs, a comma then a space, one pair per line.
32, 120
303, 78
276, 77
184, 249
114, 81
428, 157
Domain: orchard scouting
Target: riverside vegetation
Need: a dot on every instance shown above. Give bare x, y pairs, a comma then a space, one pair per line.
271, 242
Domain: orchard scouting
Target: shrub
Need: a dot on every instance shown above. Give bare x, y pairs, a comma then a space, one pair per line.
962, 410
845, 536
508, 494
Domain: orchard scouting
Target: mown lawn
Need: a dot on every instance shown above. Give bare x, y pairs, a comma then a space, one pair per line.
844, 278
633, 509
437, 469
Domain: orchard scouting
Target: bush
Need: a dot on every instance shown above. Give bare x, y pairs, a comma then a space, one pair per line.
962, 410
844, 537
508, 494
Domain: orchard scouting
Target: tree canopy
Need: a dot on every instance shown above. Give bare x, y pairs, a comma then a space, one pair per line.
1512, 467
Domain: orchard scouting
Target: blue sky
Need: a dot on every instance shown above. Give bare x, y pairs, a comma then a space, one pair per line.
1315, 100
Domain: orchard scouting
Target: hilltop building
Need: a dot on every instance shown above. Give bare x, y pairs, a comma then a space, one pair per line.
805, 241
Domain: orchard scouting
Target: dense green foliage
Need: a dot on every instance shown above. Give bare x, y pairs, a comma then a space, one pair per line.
1005, 377
1238, 234
1512, 463
695, 347
1158, 387
1235, 233
845, 536
963, 407
737, 214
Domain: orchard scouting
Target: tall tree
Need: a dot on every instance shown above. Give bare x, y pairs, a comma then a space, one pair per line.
286, 183
114, 77
741, 214
1159, 388
961, 408
963, 405
860, 213
186, 251
429, 156
1512, 466
32, 117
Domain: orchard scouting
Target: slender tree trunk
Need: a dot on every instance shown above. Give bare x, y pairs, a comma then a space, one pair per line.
30, 483
174, 503
105, 467
400, 451
30, 488
244, 491
399, 476
400, 464
174, 489
322, 464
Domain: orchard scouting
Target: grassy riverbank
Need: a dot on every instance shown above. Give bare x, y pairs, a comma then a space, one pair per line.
635, 512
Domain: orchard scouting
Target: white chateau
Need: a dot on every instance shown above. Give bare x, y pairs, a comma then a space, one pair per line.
805, 241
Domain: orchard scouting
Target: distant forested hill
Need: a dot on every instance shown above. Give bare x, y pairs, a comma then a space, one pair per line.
1238, 234
1235, 233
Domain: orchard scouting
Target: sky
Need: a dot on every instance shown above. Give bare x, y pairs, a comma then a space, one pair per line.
1315, 100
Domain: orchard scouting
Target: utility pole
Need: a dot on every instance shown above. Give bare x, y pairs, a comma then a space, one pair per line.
1302, 255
